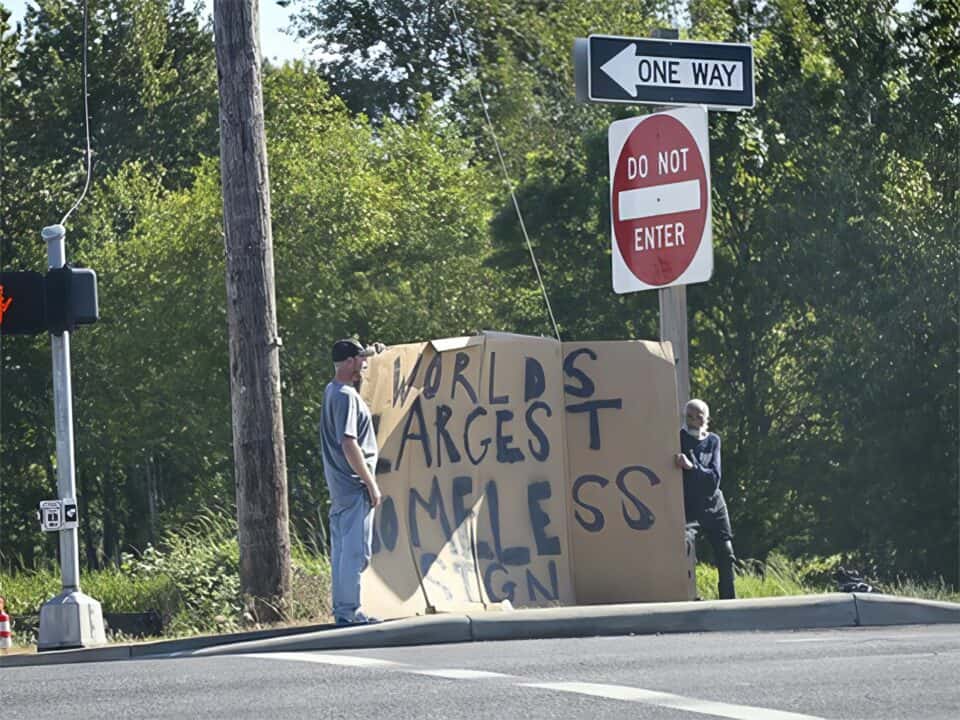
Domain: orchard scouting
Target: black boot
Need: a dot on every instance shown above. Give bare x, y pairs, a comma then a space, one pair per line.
725, 563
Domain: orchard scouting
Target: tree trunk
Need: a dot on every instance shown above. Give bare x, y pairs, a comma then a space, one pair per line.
258, 449
152, 484
108, 496
89, 539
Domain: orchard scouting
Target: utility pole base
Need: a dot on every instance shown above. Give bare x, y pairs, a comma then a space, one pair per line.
71, 620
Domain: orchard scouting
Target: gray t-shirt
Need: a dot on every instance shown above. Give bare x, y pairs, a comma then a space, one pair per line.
345, 413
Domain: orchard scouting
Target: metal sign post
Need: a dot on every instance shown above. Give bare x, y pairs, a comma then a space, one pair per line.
71, 619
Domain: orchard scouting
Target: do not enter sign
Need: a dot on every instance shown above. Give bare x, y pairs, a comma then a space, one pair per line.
660, 200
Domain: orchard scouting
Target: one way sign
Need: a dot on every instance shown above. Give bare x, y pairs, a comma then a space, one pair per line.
668, 72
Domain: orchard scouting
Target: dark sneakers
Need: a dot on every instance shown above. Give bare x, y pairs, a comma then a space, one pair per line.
359, 618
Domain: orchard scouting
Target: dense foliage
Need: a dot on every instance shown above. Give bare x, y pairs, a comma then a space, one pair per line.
826, 342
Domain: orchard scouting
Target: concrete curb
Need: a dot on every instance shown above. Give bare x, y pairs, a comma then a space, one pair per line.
787, 613
60, 657
876, 609
802, 612
168, 647
428, 630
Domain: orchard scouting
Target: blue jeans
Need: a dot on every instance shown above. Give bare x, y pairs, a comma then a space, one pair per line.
351, 540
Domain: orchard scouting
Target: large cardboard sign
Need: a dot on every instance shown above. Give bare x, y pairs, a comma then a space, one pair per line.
626, 495
488, 495
472, 469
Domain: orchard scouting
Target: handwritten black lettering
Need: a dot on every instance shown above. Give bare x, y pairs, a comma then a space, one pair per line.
434, 374
416, 413
401, 387
596, 523
593, 407
537, 492
645, 518
463, 359
462, 488
444, 413
534, 382
586, 387
533, 584
495, 399
485, 443
509, 587
513, 556
433, 506
542, 451
505, 452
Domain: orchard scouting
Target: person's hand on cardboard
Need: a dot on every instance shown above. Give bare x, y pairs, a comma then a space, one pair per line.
683, 462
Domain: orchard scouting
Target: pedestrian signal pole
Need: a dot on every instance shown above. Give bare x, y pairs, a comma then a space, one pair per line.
71, 619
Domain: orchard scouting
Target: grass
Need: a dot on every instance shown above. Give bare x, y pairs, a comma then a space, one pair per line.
927, 591
192, 580
779, 576
775, 578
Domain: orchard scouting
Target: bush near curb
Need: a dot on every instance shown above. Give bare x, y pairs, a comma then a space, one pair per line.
192, 580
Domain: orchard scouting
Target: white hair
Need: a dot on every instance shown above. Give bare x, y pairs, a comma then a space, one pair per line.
702, 407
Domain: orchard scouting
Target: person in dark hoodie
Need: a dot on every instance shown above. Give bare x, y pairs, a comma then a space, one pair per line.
703, 501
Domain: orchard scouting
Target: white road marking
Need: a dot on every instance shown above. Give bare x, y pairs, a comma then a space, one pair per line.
457, 674
858, 637
666, 199
344, 660
675, 702
613, 692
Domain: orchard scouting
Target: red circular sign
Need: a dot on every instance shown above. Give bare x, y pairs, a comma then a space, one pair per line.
660, 200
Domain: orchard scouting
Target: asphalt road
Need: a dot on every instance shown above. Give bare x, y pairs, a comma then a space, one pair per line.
899, 672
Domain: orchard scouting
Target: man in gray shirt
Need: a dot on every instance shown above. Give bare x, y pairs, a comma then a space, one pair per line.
349, 446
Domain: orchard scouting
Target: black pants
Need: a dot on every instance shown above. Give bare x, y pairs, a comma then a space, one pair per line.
712, 517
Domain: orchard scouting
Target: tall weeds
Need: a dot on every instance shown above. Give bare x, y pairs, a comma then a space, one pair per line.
192, 578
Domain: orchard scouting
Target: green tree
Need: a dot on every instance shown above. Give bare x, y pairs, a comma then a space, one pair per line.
152, 99
814, 341
379, 234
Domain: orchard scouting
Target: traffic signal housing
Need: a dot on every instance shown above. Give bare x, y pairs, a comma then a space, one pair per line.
60, 301
22, 303
71, 298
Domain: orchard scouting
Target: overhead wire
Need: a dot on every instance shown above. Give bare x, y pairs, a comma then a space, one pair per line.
503, 167
86, 121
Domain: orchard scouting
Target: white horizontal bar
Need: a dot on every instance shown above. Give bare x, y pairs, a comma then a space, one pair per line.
344, 660
458, 674
675, 702
659, 200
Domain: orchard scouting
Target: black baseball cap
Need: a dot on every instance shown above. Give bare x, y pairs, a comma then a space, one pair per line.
348, 348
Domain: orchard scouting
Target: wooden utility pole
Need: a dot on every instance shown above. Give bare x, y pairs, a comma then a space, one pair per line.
258, 446
673, 327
